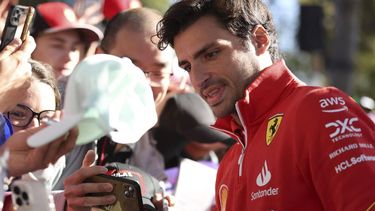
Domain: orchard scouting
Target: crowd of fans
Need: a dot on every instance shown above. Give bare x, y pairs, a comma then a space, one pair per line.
37, 73
34, 78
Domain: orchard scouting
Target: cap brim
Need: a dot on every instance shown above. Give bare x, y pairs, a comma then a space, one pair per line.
91, 33
205, 134
53, 131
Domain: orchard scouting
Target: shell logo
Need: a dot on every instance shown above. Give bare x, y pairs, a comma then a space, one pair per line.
223, 196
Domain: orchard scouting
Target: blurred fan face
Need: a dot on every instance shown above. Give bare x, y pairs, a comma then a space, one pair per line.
156, 64
62, 50
36, 108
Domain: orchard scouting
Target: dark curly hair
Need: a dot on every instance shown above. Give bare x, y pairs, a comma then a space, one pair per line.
237, 16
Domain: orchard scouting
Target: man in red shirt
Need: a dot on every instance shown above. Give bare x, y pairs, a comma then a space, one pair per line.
298, 147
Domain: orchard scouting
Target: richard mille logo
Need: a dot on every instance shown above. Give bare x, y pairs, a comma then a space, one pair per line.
264, 176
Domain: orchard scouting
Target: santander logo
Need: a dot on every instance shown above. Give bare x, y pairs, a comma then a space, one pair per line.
264, 176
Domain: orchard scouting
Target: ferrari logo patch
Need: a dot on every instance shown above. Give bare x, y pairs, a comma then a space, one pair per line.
272, 127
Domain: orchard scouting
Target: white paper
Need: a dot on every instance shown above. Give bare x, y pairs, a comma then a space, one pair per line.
195, 187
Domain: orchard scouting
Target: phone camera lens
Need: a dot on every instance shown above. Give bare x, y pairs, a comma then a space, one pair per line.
127, 193
25, 196
16, 190
19, 201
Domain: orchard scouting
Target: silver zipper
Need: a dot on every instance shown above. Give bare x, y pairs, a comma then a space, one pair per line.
240, 159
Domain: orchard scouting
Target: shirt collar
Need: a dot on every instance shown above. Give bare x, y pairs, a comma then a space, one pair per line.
262, 94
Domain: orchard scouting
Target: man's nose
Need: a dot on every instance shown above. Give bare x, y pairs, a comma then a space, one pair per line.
198, 75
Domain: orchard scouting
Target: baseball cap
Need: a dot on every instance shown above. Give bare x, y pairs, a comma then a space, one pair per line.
367, 103
53, 17
149, 185
190, 115
112, 7
105, 95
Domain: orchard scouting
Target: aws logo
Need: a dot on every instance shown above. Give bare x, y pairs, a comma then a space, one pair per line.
329, 105
272, 127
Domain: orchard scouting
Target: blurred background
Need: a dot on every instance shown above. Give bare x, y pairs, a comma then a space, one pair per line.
323, 42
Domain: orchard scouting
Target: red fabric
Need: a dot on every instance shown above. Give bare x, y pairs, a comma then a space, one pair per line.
8, 205
57, 14
322, 156
112, 7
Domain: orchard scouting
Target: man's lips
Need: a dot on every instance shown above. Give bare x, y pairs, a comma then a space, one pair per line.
213, 94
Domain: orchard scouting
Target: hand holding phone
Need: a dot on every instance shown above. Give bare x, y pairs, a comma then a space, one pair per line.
127, 192
17, 24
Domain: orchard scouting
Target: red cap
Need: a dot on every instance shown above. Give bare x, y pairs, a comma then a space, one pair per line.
57, 16
112, 7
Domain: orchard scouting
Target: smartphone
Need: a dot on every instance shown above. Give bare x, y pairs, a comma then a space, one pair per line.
31, 195
127, 192
17, 24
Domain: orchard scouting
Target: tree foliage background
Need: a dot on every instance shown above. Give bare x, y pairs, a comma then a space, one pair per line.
365, 82
360, 53
363, 77
161, 5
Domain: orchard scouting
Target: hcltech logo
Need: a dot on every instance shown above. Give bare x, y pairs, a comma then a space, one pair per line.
263, 178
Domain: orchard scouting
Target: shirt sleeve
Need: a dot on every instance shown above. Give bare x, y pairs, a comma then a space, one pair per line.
338, 149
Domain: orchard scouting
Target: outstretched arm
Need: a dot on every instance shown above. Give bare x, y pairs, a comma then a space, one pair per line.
15, 72
23, 158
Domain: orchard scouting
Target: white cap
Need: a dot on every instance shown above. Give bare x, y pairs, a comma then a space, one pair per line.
367, 102
104, 94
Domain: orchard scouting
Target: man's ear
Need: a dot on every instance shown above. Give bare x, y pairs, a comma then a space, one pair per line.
261, 39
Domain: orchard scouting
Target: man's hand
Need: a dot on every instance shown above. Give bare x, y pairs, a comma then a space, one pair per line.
15, 72
161, 201
75, 189
23, 158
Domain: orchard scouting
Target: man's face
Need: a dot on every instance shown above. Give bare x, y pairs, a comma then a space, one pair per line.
145, 54
220, 65
62, 50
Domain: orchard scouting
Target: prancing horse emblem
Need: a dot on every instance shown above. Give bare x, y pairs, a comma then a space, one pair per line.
272, 127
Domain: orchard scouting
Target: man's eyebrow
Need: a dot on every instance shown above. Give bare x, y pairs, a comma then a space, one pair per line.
198, 53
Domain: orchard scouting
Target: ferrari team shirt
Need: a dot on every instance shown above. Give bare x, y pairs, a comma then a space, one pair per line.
299, 148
